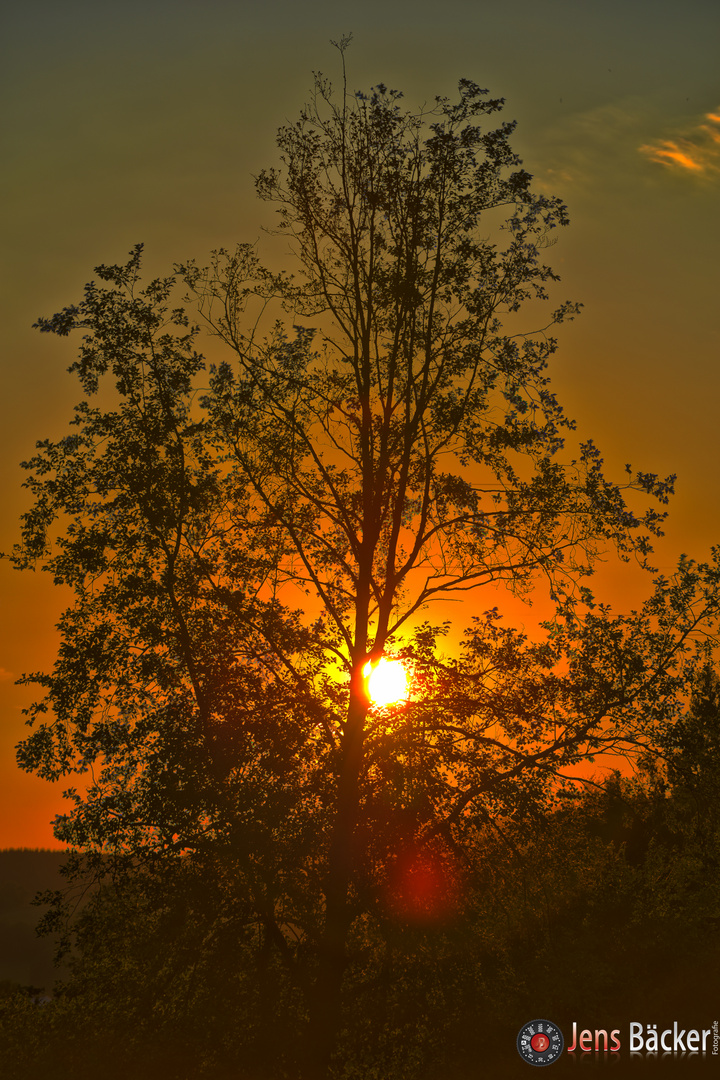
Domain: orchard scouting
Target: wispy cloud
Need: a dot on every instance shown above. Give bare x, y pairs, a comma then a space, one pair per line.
5, 675
695, 151
590, 149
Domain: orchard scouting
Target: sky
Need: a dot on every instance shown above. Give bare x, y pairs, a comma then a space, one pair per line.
126, 122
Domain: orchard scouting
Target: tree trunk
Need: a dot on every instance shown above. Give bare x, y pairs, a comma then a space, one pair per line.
325, 1005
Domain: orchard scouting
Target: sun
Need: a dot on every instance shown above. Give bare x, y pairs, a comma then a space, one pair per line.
387, 682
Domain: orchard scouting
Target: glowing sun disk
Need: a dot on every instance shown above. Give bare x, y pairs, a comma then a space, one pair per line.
387, 682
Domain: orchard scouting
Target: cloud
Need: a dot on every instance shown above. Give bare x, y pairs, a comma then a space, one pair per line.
5, 675
696, 151
590, 149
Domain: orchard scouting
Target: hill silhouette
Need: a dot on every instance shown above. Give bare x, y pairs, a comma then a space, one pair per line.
26, 958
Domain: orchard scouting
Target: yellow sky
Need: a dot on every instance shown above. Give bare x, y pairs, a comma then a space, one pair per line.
126, 122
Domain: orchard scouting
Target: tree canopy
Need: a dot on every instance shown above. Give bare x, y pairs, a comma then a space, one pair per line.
243, 537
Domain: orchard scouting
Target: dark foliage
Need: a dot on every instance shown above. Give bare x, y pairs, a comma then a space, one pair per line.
271, 851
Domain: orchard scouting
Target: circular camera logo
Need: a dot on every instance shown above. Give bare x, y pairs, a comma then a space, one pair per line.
540, 1042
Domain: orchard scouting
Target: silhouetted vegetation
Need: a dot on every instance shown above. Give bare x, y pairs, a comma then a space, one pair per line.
604, 907
286, 878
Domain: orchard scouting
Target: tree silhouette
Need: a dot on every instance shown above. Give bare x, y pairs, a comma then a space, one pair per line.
379, 433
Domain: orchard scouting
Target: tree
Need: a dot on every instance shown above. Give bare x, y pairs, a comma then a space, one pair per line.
692, 746
380, 434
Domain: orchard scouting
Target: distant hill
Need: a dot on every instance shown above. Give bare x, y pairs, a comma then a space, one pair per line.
24, 957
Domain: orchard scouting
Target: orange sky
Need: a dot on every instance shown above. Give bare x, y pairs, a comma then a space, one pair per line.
126, 122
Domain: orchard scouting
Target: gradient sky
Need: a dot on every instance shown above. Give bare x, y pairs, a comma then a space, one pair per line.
127, 121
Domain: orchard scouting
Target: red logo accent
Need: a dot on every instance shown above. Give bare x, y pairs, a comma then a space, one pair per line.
540, 1042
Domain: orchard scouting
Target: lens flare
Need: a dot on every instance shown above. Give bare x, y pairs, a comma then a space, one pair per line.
386, 682
424, 885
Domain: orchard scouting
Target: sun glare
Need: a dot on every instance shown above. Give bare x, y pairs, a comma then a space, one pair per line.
387, 682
